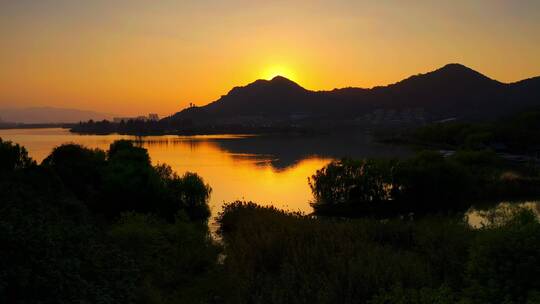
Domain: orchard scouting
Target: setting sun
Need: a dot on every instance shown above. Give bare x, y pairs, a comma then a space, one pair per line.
279, 70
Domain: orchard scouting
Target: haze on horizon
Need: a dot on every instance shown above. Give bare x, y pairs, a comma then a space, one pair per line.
138, 56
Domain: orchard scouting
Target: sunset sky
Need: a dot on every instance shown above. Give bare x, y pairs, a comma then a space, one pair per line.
139, 56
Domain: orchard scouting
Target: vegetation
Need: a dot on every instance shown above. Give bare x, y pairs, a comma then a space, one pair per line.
280, 257
426, 183
93, 226
123, 127
520, 132
183, 126
123, 179
89, 226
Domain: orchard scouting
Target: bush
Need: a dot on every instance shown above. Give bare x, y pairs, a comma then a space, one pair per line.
279, 257
504, 265
13, 157
80, 168
189, 192
58, 248
429, 178
353, 181
52, 252
177, 260
123, 180
424, 184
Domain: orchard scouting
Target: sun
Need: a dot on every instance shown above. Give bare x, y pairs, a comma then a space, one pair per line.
278, 70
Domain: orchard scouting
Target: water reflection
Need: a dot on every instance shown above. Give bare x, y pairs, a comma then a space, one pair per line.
266, 169
282, 152
288, 151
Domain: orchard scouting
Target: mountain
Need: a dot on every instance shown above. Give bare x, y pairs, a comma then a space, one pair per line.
453, 91
49, 115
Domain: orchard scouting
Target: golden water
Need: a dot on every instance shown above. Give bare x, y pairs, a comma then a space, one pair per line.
265, 169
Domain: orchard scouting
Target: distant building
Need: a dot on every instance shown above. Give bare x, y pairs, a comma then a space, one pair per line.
153, 117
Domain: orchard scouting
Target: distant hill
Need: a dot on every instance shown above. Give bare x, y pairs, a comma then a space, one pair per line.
38, 115
451, 92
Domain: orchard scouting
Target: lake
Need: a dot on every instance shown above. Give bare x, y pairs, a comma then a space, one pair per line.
268, 169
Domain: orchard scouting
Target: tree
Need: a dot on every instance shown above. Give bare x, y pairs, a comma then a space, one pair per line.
188, 193
80, 168
13, 157
353, 181
504, 261
177, 259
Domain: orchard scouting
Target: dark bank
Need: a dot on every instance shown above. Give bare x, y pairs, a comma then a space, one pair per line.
96, 226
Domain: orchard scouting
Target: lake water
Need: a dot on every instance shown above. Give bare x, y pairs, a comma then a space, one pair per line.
264, 169
269, 170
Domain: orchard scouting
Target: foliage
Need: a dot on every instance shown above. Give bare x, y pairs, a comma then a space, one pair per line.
80, 168
189, 189
13, 157
123, 179
518, 132
429, 176
350, 180
504, 264
462, 135
178, 259
88, 226
521, 131
279, 257
425, 183
130, 183
52, 252
58, 247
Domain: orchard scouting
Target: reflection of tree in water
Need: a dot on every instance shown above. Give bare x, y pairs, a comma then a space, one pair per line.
280, 151
287, 151
168, 141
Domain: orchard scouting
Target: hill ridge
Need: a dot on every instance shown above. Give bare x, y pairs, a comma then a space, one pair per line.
451, 90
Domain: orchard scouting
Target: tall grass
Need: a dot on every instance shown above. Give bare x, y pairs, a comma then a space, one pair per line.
279, 257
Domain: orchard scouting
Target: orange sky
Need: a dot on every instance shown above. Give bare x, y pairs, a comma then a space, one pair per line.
139, 56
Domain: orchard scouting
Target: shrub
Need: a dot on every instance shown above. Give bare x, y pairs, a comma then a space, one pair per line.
80, 168
504, 265
52, 251
13, 157
280, 257
177, 260
425, 184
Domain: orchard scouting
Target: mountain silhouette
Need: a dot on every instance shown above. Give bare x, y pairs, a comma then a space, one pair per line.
279, 96
453, 91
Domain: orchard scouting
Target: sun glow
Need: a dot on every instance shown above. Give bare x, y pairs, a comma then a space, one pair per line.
159, 58
279, 70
